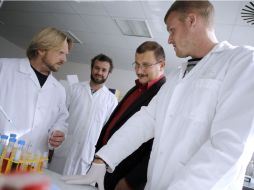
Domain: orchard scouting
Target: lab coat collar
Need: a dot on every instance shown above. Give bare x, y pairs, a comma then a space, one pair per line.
26, 68
103, 89
87, 84
220, 47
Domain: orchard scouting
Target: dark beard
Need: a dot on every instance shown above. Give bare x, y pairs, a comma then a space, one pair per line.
97, 81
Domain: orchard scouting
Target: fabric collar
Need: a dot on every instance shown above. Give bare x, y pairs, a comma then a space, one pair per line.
25, 67
221, 47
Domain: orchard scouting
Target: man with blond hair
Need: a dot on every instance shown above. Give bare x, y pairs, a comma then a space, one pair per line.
31, 96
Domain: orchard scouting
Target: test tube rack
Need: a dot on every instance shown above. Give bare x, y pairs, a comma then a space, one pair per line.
8, 165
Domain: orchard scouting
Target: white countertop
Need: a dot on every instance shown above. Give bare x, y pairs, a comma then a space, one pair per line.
58, 184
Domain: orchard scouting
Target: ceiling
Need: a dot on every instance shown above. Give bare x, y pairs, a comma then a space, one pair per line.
93, 23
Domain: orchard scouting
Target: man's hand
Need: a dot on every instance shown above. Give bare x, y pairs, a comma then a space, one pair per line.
123, 185
56, 138
95, 174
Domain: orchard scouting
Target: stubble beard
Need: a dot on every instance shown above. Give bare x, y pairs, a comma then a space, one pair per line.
101, 81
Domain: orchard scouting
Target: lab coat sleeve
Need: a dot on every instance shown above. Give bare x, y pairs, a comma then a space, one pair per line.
137, 130
69, 90
61, 121
231, 140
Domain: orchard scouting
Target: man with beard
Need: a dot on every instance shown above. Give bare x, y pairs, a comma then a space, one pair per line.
90, 104
31, 97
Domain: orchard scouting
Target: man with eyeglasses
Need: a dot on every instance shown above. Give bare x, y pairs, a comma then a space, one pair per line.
149, 67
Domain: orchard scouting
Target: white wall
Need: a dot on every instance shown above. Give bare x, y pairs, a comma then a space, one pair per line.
119, 79
9, 50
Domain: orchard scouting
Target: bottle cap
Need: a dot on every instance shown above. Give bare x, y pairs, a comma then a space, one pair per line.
12, 140
12, 135
21, 142
5, 137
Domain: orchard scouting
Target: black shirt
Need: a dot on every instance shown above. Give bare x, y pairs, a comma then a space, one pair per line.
41, 77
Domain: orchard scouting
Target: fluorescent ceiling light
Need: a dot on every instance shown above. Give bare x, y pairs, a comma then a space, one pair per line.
134, 27
74, 38
1, 3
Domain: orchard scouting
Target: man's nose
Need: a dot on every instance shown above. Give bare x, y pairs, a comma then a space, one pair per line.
64, 58
169, 39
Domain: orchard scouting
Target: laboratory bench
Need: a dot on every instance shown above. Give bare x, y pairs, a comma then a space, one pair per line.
58, 184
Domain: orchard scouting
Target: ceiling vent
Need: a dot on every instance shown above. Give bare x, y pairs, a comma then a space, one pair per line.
74, 38
138, 28
248, 13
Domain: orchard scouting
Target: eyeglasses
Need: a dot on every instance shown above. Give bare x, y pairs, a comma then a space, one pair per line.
144, 66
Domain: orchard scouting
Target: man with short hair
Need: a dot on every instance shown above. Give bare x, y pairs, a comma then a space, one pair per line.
149, 66
29, 94
90, 104
202, 118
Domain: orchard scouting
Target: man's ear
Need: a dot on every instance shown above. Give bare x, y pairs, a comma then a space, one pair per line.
41, 52
191, 19
162, 64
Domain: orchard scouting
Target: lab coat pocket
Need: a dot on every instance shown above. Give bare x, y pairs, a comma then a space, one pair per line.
204, 98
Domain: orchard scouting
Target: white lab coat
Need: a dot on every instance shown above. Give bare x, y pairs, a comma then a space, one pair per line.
35, 111
88, 113
202, 125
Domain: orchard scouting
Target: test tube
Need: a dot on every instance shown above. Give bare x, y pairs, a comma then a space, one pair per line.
3, 142
36, 159
45, 162
26, 157
17, 156
8, 153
